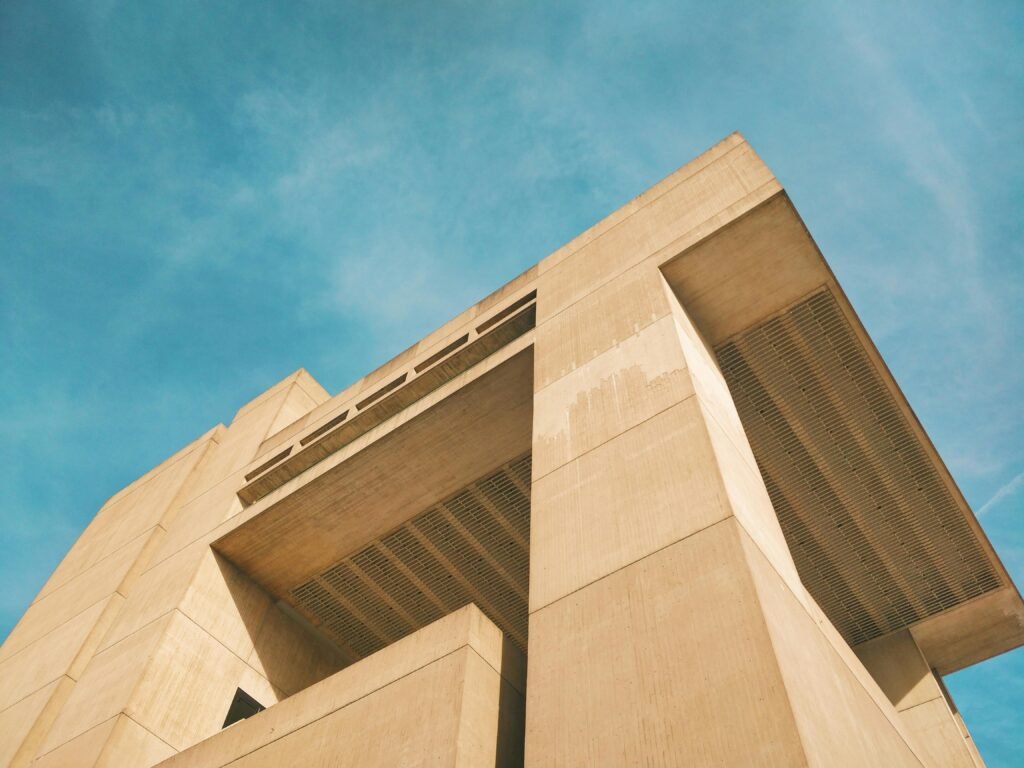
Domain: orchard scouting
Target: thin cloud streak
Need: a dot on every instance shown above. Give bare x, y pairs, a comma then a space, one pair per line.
1007, 490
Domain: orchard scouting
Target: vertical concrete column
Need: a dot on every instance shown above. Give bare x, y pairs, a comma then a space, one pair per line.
668, 625
903, 673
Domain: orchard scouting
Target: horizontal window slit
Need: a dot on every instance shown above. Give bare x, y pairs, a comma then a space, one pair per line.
506, 312
268, 464
382, 391
442, 353
324, 428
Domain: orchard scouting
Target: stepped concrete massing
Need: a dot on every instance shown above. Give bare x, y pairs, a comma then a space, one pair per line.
657, 501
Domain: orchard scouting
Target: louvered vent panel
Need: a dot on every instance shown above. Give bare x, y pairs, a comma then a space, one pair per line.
472, 547
877, 537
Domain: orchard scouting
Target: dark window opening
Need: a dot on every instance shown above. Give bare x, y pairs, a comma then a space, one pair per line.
242, 706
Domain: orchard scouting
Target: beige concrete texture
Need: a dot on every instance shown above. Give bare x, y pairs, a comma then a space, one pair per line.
171, 678
119, 742
291, 653
903, 673
643, 424
59, 654
675, 660
24, 725
199, 631
432, 344
973, 631
449, 694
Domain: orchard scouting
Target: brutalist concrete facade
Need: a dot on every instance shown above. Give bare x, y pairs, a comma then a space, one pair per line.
657, 501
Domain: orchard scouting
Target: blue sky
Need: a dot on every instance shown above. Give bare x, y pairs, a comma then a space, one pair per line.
198, 198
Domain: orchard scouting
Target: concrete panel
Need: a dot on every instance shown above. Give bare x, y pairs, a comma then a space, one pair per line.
257, 686
203, 586
750, 269
735, 461
24, 724
615, 218
128, 515
462, 430
491, 719
641, 377
159, 590
106, 687
187, 687
297, 403
47, 659
116, 743
226, 603
842, 716
940, 741
633, 495
200, 516
154, 503
387, 728
82, 751
250, 427
387, 695
67, 601
749, 500
611, 314
666, 661
903, 673
984, 627
708, 380
291, 655
132, 745
896, 664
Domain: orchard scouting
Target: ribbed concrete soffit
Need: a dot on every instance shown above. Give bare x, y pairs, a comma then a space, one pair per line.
878, 538
471, 548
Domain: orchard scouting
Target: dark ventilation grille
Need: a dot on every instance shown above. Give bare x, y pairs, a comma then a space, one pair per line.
471, 548
877, 537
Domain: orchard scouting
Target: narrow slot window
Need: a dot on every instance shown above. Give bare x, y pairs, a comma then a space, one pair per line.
324, 428
443, 353
382, 391
506, 311
268, 464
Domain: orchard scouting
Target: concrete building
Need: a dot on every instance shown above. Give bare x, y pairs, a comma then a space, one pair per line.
657, 501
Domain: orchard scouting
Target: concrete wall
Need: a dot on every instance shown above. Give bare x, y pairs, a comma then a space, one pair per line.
899, 667
450, 694
135, 646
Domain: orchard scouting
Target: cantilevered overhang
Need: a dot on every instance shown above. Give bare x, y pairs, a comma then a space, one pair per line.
881, 535
477, 422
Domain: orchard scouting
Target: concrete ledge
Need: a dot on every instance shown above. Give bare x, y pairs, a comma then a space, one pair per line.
463, 653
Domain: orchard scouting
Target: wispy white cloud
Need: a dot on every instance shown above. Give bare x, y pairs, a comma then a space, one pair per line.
1004, 492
